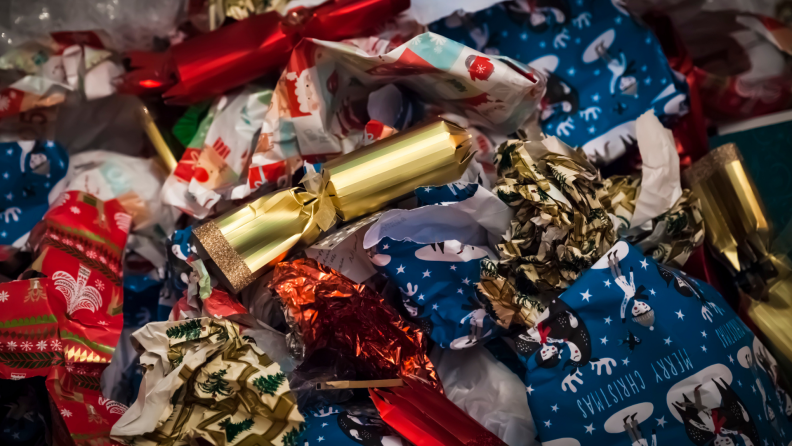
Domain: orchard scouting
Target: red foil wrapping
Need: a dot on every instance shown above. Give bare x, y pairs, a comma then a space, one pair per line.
209, 64
427, 418
333, 311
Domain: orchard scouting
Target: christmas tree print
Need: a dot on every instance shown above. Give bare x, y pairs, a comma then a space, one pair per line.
191, 330
234, 429
269, 384
292, 437
216, 384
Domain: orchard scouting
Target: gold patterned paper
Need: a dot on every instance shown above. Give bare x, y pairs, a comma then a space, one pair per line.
565, 220
248, 241
222, 389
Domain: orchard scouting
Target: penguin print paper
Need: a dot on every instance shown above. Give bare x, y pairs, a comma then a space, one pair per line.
603, 69
347, 425
434, 253
635, 353
29, 170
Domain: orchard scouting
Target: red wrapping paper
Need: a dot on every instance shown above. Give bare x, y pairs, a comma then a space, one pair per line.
332, 311
65, 325
720, 97
427, 418
209, 64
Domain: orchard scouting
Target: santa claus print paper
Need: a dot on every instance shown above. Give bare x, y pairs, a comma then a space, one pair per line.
322, 102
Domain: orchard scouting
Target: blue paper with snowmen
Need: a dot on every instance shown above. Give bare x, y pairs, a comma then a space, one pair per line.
29, 170
604, 69
433, 254
635, 353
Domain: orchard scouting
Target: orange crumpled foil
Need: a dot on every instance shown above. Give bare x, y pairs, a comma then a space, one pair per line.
332, 311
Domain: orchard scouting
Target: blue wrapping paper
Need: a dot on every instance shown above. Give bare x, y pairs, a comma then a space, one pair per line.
603, 68
433, 254
28, 173
635, 353
342, 425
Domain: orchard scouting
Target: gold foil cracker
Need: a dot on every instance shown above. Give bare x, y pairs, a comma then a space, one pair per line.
251, 239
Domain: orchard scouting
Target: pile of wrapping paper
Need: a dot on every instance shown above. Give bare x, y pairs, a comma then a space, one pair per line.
395, 222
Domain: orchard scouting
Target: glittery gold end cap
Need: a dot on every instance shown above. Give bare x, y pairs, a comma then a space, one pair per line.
713, 161
221, 252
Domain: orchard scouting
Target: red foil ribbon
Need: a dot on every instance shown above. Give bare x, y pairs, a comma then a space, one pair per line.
333, 311
427, 418
212, 63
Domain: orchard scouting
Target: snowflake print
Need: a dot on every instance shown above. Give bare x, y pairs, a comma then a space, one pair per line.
80, 247
68, 242
438, 39
102, 322
75, 210
3, 296
27, 346
12, 346
41, 345
54, 237
5, 103
91, 254
56, 345
69, 368
98, 285
102, 259
65, 413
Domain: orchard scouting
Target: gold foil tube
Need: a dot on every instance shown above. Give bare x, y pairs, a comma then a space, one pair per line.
738, 230
365, 180
251, 239
735, 220
156, 139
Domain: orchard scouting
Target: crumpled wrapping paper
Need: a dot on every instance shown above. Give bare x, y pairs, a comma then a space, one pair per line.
56, 65
604, 68
349, 425
30, 172
488, 391
637, 353
135, 182
321, 103
567, 216
330, 311
64, 322
215, 160
207, 379
434, 255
